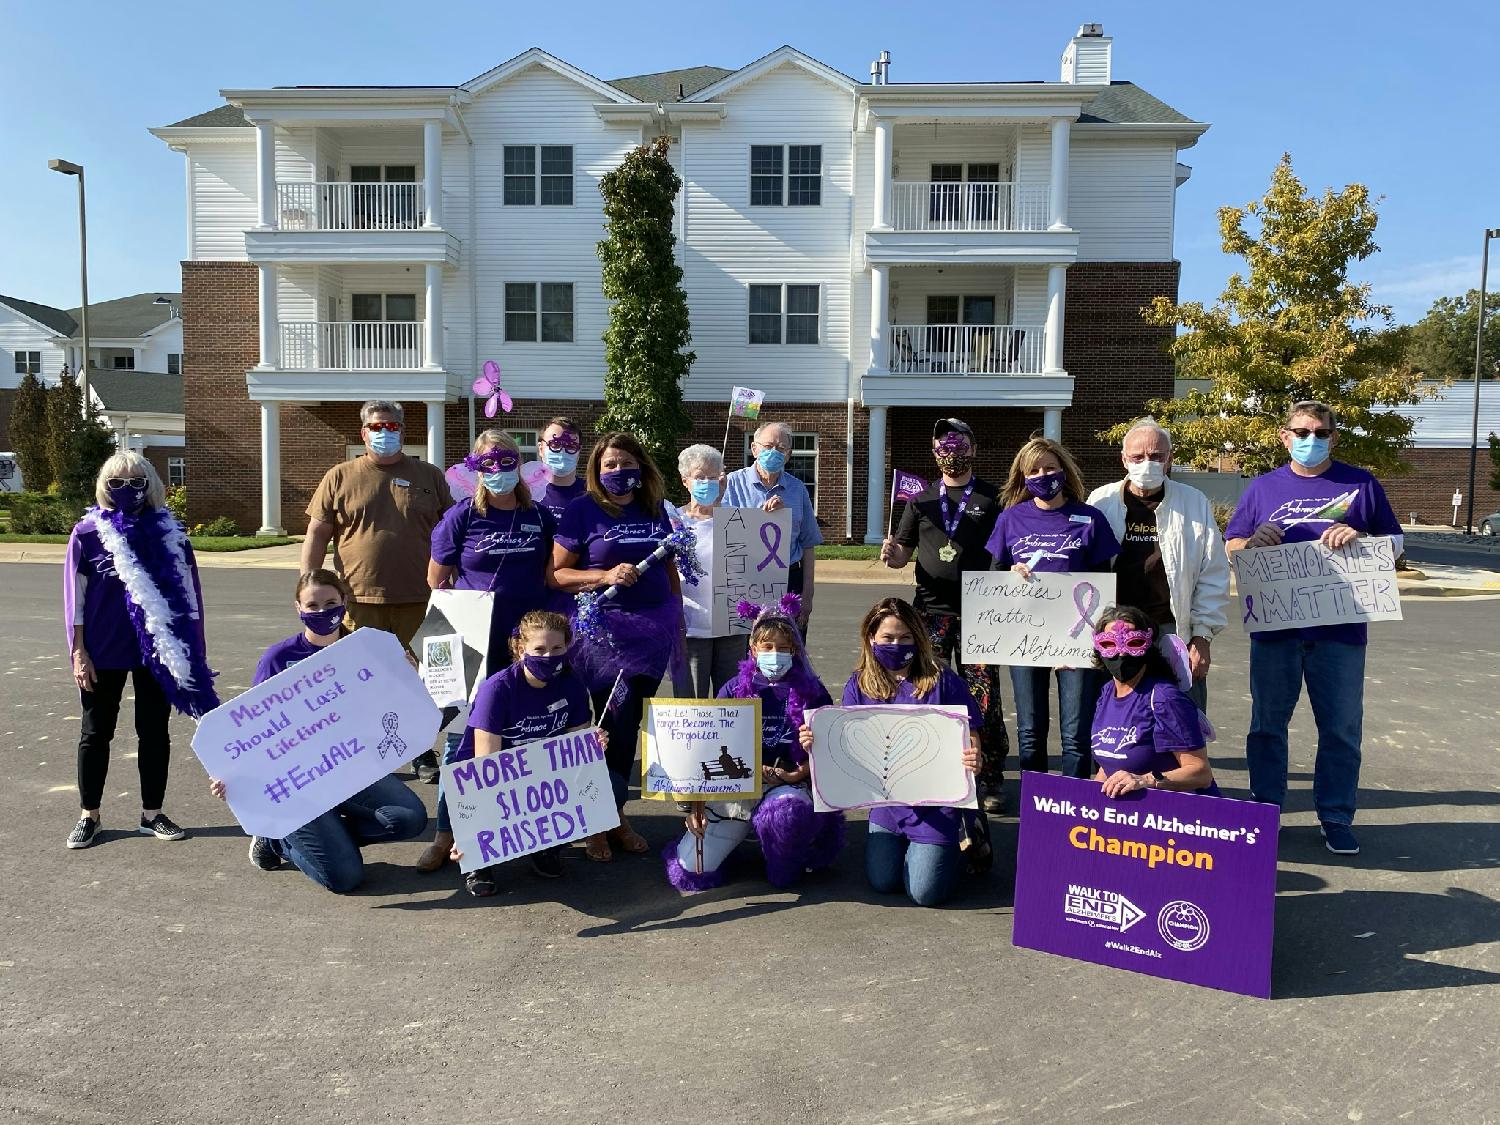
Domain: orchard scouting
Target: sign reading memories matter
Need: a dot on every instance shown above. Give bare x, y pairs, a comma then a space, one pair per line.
1297, 585
1175, 885
311, 737
1045, 621
751, 548
701, 749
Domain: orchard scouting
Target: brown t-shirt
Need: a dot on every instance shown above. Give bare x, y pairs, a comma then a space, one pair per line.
384, 516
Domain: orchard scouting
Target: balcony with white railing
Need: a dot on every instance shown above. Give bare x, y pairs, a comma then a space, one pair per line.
307, 205
920, 206
351, 345
966, 349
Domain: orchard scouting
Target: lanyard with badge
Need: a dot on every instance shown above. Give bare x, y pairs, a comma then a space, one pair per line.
949, 551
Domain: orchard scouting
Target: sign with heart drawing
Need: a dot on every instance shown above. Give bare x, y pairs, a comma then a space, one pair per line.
863, 757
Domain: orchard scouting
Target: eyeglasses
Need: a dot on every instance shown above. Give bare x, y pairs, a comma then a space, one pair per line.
1132, 642
376, 427
494, 461
1303, 431
784, 446
1137, 458
137, 483
563, 443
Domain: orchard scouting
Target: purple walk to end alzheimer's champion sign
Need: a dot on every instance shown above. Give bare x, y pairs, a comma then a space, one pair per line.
311, 737
1175, 885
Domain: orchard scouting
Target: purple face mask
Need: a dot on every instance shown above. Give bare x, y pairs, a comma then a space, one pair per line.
621, 481
544, 668
894, 657
128, 500
324, 622
1045, 486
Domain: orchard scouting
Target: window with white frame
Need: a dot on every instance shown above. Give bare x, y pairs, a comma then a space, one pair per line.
786, 175
539, 312
802, 462
526, 439
174, 363
124, 363
784, 314
28, 363
538, 174
176, 472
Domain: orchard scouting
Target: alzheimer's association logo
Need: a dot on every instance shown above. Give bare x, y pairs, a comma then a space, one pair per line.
1183, 925
1104, 910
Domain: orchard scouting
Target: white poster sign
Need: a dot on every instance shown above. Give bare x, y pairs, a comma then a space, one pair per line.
1298, 585
863, 757
1045, 621
443, 670
701, 750
528, 798
751, 548
311, 737
467, 613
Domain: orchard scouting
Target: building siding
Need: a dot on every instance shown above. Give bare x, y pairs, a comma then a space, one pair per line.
223, 203
1120, 197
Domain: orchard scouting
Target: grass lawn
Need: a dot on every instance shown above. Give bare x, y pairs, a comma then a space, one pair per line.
857, 552
200, 543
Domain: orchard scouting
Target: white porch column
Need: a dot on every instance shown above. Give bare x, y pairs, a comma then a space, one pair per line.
875, 504
432, 172
1052, 423
880, 318
435, 454
432, 326
882, 174
265, 168
1061, 130
270, 330
270, 469
1057, 291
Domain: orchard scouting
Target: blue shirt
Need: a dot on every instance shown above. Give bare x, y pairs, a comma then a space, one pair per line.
745, 489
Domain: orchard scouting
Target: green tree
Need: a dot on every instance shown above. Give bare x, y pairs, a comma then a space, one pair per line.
1442, 342
1494, 461
1292, 326
28, 434
90, 445
644, 346
64, 417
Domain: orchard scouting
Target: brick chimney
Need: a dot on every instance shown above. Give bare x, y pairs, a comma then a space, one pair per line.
1086, 59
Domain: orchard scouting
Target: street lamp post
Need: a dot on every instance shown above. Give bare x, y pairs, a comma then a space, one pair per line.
68, 168
1484, 272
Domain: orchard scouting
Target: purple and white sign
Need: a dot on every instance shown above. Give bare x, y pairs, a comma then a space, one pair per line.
1175, 885
750, 552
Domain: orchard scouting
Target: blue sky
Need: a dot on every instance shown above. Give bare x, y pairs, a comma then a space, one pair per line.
1398, 97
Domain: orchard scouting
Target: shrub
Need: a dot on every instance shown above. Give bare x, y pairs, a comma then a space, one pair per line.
219, 527
90, 444
177, 503
36, 513
1222, 515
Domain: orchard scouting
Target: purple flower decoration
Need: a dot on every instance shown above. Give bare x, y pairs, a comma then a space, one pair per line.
685, 546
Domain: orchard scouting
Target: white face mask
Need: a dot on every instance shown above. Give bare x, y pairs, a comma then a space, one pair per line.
1146, 475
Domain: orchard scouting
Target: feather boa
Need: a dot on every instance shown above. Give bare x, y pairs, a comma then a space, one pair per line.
149, 553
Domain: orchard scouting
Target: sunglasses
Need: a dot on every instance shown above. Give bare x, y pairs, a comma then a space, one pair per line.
1303, 431
494, 461
1132, 642
137, 483
563, 443
376, 427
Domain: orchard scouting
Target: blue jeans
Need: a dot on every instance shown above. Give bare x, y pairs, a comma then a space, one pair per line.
1335, 675
452, 741
929, 872
326, 849
1034, 717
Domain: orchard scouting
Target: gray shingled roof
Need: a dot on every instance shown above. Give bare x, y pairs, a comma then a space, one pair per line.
55, 319
126, 316
220, 117
1125, 103
662, 86
139, 391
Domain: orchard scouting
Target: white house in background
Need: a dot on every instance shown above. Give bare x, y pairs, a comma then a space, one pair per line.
870, 254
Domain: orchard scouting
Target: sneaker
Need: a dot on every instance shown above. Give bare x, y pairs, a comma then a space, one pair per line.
263, 855
1339, 838
424, 767
481, 883
161, 827
547, 864
85, 833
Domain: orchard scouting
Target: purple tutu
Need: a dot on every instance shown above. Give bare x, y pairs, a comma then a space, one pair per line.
645, 641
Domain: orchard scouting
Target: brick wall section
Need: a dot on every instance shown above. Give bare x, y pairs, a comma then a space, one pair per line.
1428, 488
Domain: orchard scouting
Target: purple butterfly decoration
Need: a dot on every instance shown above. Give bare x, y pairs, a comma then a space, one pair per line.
489, 384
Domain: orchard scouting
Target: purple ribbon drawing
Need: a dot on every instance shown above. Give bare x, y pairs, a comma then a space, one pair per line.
772, 548
1249, 609
1090, 594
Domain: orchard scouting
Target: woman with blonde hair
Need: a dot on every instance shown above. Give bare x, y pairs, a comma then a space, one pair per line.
1046, 527
132, 608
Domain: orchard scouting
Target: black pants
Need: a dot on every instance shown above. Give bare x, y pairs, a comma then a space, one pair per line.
101, 710
624, 729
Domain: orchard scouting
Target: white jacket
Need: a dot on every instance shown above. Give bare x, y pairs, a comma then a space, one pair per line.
1192, 553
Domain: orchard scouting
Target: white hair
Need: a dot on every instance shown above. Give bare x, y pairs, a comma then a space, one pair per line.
129, 463
1154, 426
380, 406
782, 426
704, 457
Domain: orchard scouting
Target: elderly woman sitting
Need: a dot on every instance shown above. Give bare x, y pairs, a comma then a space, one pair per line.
132, 608
712, 661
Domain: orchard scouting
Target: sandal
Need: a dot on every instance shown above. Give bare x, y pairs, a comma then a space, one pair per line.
596, 848
481, 883
628, 839
435, 855
975, 847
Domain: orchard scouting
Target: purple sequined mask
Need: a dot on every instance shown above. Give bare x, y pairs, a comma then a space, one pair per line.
1119, 639
493, 461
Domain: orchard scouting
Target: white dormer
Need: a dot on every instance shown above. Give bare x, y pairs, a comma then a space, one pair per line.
1086, 59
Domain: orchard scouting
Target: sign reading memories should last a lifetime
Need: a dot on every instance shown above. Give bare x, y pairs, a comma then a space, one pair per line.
1298, 585
1045, 621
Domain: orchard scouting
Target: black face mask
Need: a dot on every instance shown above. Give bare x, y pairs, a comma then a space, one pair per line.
1124, 667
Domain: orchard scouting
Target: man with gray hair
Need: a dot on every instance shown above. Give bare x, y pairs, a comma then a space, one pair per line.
1171, 564
378, 511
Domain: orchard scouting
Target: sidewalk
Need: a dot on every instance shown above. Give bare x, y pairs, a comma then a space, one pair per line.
286, 557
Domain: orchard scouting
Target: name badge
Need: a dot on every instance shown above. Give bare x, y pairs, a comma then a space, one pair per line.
556, 705
1080, 518
407, 484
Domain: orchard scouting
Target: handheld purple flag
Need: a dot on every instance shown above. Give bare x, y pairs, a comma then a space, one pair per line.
908, 486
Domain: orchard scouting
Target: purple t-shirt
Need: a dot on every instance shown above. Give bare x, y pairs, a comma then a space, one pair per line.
504, 551
924, 824
282, 655
1139, 731
556, 498
1304, 507
507, 705
602, 541
1075, 537
778, 735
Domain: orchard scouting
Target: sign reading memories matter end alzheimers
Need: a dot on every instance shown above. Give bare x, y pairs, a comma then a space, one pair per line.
1045, 621
1297, 585
312, 736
